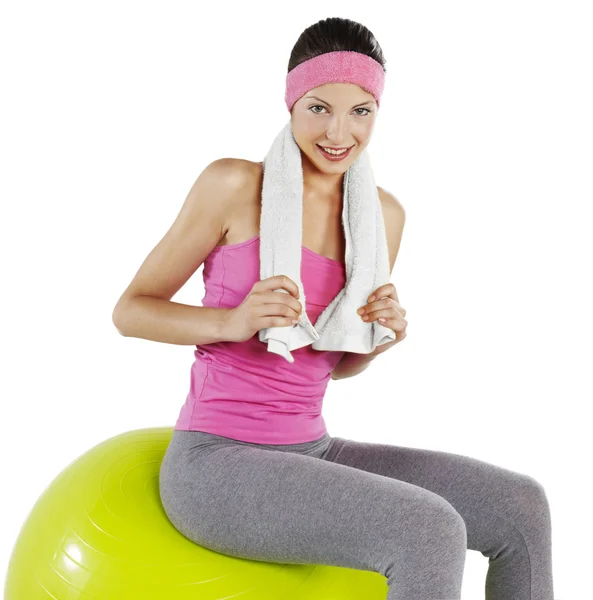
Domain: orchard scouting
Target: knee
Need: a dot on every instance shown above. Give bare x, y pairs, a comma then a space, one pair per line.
444, 525
453, 524
434, 541
534, 494
530, 502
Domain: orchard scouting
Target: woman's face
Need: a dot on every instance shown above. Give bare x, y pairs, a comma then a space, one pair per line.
339, 115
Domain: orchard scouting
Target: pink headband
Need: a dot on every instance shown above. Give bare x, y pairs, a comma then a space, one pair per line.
343, 66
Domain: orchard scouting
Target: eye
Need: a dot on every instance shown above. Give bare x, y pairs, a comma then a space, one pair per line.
323, 107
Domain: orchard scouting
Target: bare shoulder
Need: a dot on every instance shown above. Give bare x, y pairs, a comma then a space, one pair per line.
390, 203
239, 176
394, 217
235, 170
253, 169
240, 172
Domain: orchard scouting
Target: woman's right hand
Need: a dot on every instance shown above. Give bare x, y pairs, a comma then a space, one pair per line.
263, 308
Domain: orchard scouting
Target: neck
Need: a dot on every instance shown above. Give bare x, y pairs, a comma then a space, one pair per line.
319, 184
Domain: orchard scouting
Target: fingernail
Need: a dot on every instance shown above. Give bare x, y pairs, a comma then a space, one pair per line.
372, 298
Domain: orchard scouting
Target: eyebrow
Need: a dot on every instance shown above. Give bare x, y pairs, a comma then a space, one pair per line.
320, 100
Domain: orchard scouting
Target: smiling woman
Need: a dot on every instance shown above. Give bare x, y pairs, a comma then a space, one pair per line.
251, 470
336, 115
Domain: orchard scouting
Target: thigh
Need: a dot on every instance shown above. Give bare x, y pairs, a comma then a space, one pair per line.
496, 503
286, 507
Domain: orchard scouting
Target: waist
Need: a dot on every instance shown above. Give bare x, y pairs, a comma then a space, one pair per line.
274, 429
247, 401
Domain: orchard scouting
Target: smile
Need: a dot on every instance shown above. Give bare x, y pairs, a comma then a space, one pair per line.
334, 157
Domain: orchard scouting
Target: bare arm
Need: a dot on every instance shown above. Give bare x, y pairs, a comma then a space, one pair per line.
145, 309
351, 364
161, 320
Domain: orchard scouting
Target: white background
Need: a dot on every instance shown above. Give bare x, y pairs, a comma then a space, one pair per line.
111, 110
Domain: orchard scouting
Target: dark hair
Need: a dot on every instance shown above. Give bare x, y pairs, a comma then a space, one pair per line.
333, 34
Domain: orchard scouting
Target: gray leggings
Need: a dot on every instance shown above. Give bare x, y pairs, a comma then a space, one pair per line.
407, 513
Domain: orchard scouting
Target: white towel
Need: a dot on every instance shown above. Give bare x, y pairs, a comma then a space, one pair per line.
339, 326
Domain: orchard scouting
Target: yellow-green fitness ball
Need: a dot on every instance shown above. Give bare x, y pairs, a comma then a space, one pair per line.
99, 532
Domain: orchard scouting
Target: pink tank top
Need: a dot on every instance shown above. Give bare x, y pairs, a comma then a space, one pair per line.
239, 389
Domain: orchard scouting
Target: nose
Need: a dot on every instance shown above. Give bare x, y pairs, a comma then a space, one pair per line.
337, 131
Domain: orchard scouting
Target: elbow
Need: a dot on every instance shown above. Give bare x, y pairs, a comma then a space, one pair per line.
335, 376
116, 319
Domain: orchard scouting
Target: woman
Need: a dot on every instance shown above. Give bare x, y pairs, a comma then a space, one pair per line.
251, 470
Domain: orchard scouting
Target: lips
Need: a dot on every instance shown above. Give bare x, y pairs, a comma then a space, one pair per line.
333, 157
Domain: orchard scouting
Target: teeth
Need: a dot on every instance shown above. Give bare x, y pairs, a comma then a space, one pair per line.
330, 151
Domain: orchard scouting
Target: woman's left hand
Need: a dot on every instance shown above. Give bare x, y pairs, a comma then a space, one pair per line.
385, 308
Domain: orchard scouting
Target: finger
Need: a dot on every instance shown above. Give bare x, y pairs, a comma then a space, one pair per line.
385, 291
381, 305
394, 324
391, 319
281, 282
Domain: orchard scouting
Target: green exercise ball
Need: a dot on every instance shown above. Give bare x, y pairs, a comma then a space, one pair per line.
99, 532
